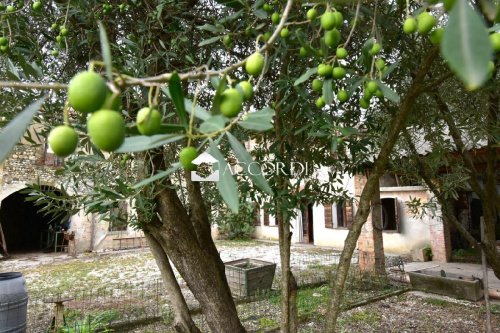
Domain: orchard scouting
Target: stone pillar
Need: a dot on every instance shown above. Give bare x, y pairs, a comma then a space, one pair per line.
370, 242
440, 239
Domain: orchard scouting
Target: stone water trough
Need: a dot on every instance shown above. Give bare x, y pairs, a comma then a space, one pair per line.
448, 284
247, 277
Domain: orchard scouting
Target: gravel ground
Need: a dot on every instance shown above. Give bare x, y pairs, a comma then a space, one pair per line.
60, 272
410, 312
414, 312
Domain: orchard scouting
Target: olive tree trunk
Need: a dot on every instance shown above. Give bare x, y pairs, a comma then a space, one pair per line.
183, 323
397, 124
183, 235
289, 315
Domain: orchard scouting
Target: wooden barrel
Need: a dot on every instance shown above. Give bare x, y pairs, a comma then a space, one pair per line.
13, 303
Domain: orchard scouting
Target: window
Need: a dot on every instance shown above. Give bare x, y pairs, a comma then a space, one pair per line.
266, 216
390, 216
118, 217
344, 214
257, 214
328, 216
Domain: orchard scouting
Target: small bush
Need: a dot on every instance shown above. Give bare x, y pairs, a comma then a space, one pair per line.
91, 323
237, 226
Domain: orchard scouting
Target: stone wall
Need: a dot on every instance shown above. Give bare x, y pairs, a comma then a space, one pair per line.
28, 164
25, 165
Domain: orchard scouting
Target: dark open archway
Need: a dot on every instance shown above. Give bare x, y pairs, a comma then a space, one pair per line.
24, 227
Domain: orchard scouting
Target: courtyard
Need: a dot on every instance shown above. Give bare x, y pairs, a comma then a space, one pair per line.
124, 290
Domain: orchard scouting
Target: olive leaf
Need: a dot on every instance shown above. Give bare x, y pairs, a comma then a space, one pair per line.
466, 45
10, 134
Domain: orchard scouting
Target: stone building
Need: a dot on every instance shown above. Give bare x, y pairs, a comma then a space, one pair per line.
25, 229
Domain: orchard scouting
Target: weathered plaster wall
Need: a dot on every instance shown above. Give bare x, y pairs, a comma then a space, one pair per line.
266, 232
414, 231
327, 236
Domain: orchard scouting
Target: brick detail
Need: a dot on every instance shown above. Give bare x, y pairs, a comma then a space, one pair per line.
440, 240
370, 242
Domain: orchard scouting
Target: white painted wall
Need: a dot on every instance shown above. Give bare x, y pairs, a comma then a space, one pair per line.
327, 236
266, 232
414, 232
322, 235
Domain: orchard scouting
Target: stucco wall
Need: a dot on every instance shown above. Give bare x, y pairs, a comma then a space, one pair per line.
327, 236
266, 232
414, 231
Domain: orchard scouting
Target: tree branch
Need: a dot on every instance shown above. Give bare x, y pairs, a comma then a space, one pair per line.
33, 85
460, 145
437, 82
198, 214
397, 123
425, 172
163, 78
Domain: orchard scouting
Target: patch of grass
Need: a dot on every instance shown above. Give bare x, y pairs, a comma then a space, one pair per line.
94, 270
267, 323
368, 317
463, 253
401, 298
275, 298
168, 318
310, 300
437, 302
494, 309
241, 243
322, 267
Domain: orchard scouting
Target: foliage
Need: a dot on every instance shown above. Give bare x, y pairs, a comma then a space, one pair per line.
91, 323
143, 31
368, 317
436, 302
237, 225
180, 57
428, 252
266, 323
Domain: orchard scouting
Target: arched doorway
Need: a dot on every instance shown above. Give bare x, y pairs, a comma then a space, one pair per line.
26, 229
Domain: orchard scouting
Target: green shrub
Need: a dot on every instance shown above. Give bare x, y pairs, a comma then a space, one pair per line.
91, 323
237, 226
428, 252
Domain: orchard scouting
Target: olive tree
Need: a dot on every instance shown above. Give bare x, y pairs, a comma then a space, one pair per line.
166, 81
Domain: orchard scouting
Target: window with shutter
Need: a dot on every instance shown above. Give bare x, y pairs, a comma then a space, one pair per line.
348, 213
328, 216
266, 216
340, 214
390, 216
